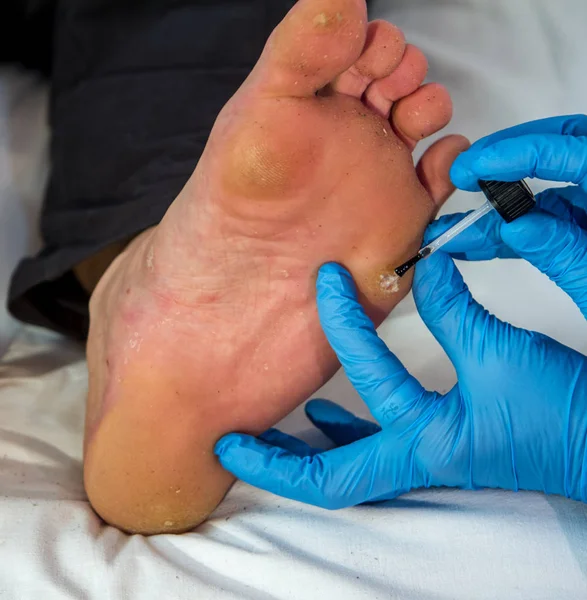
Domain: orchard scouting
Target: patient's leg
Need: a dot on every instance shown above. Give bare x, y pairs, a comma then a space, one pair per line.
207, 323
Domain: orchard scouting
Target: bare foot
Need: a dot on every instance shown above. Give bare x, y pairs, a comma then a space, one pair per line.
207, 323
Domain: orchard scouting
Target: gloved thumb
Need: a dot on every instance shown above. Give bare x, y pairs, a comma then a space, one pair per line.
554, 246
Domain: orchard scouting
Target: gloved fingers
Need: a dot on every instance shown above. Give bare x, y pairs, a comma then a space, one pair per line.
480, 241
338, 424
568, 203
447, 308
567, 125
378, 376
288, 442
342, 477
557, 248
545, 156
573, 125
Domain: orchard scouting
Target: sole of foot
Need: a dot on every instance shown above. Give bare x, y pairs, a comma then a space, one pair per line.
207, 323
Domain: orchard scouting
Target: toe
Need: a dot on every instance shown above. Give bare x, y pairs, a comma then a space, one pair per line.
383, 51
402, 81
317, 41
422, 113
434, 167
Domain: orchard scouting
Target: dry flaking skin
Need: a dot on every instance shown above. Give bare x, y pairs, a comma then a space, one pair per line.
389, 283
383, 285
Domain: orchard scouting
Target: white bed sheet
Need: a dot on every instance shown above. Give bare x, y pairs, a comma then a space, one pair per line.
23, 174
505, 62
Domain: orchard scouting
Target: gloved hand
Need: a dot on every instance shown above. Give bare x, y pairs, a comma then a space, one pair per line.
554, 149
517, 418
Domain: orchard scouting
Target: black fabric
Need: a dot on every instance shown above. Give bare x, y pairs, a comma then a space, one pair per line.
26, 33
135, 88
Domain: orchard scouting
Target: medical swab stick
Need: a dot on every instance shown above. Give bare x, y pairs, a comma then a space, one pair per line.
510, 200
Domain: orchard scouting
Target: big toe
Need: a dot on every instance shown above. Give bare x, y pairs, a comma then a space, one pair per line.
317, 41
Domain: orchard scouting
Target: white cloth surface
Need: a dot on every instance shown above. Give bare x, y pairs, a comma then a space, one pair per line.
504, 61
23, 173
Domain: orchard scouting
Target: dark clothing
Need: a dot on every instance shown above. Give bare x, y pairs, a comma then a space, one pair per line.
26, 33
135, 89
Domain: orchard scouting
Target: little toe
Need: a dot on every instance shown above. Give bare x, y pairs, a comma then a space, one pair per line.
422, 113
316, 41
434, 167
404, 80
383, 51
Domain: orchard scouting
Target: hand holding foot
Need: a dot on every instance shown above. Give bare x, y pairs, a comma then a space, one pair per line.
516, 419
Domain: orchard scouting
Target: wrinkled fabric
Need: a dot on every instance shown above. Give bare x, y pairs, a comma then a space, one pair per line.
135, 90
431, 545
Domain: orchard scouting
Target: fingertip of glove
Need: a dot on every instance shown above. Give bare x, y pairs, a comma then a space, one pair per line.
319, 410
270, 435
334, 281
331, 269
225, 444
462, 173
312, 405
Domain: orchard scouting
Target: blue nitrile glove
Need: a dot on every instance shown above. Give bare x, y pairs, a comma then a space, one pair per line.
553, 149
517, 418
